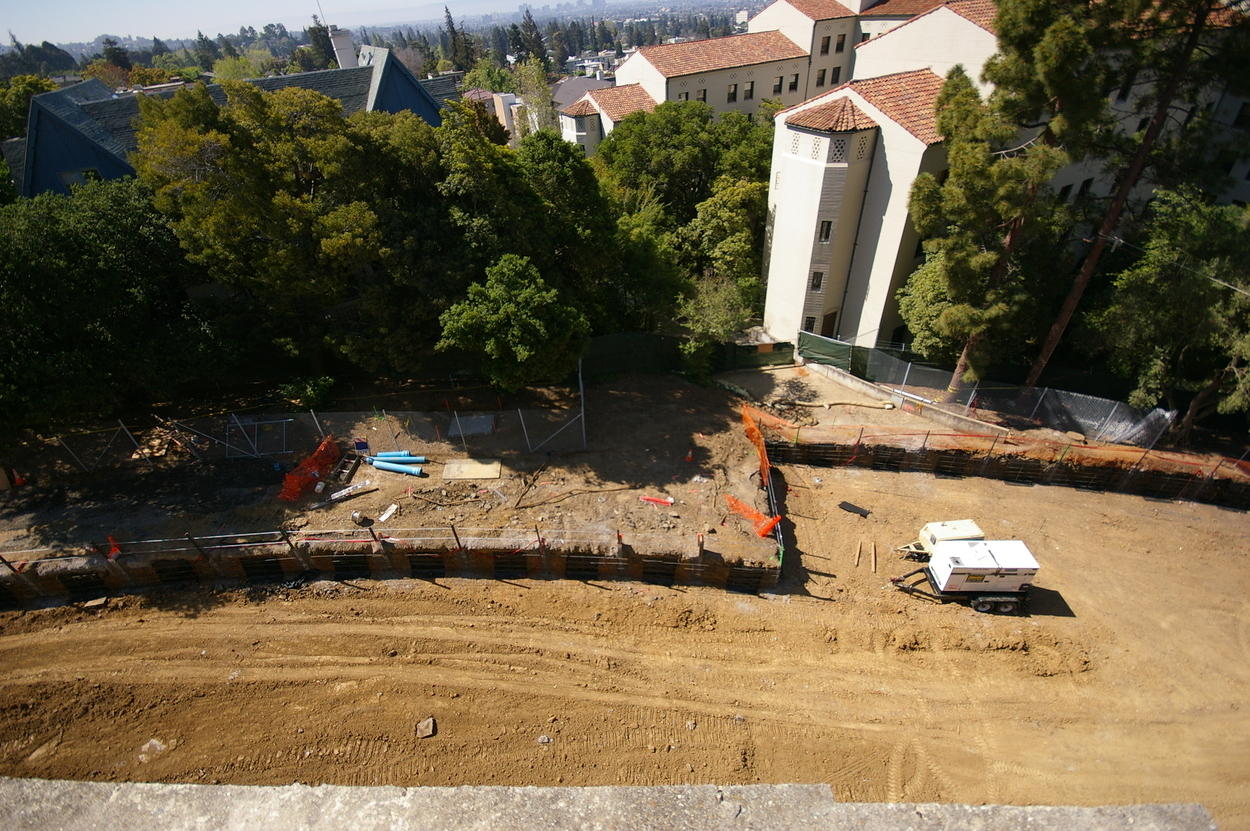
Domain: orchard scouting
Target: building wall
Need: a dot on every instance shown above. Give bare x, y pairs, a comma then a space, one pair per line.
715, 85
886, 243
938, 42
583, 130
816, 178
638, 70
836, 65
784, 18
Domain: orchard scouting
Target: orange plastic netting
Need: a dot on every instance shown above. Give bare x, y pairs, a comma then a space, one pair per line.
763, 524
305, 477
757, 439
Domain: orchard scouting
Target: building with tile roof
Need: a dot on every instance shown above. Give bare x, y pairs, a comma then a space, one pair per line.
588, 120
86, 130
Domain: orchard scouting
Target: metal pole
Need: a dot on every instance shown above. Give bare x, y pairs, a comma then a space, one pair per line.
566, 425
463, 443
287, 538
528, 446
906, 374
1040, 398
131, 436
246, 437
61, 442
182, 426
973, 395
317, 423
1106, 421
581, 389
194, 542
106, 449
456, 537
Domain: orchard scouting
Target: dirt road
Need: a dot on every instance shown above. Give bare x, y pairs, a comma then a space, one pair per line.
1126, 684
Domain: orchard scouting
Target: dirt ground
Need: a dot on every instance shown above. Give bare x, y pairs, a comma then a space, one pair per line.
1124, 683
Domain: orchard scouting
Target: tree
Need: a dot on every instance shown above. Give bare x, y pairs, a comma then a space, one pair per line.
266, 193
93, 287
159, 47
320, 48
532, 42
973, 224
144, 76
486, 75
518, 326
459, 45
1179, 318
237, 68
110, 74
1185, 47
205, 51
116, 55
15, 95
540, 107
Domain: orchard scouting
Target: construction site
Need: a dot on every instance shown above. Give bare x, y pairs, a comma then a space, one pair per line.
648, 582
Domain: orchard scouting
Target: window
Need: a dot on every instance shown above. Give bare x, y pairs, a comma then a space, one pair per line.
1065, 192
864, 37
826, 229
777, 85
809, 323
824, 45
820, 77
794, 82
1141, 125
732, 95
1083, 190
748, 90
818, 277
841, 47
683, 96
701, 95
836, 74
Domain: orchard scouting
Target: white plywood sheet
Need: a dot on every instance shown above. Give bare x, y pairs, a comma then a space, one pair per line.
472, 469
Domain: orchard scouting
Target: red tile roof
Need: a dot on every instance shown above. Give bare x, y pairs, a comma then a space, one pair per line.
901, 8
838, 116
908, 98
980, 12
618, 102
821, 9
581, 106
675, 59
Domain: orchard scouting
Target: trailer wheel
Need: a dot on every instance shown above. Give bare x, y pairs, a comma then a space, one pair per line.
982, 605
1008, 607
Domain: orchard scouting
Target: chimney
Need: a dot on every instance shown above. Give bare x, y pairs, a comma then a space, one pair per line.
344, 52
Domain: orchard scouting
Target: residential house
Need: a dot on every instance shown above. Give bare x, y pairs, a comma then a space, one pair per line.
587, 121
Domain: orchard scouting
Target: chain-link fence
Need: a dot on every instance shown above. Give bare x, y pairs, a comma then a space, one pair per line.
1098, 419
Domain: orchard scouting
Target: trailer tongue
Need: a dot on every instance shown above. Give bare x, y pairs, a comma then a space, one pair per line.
989, 575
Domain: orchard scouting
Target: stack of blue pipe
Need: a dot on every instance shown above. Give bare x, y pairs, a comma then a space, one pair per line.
397, 461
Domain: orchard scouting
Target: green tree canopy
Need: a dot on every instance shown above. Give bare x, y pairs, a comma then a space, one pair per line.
15, 95
517, 325
1178, 322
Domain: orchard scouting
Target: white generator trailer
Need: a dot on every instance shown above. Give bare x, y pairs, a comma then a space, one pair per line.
921, 549
988, 575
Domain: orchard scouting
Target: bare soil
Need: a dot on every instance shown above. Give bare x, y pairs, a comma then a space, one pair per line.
1125, 682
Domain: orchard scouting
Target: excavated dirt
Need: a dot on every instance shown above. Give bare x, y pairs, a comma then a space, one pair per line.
1125, 683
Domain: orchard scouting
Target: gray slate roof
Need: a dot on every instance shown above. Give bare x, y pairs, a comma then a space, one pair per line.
571, 89
441, 87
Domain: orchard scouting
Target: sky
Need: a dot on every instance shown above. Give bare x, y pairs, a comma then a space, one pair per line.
72, 21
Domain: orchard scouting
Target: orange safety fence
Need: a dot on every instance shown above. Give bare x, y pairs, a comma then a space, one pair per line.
304, 478
763, 525
757, 439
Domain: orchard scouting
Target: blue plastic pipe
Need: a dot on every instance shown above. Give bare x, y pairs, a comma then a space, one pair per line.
411, 470
383, 454
397, 460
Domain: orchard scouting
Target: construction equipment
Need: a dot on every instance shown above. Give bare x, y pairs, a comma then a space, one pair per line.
935, 532
989, 575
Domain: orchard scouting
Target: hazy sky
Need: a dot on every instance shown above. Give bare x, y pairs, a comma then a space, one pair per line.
68, 21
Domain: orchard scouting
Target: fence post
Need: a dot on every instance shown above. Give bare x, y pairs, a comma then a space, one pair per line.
1114, 406
906, 374
989, 454
529, 447
138, 449
61, 442
317, 424
1040, 398
456, 537
972, 396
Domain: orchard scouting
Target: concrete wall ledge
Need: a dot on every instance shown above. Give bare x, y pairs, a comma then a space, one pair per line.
932, 412
43, 804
